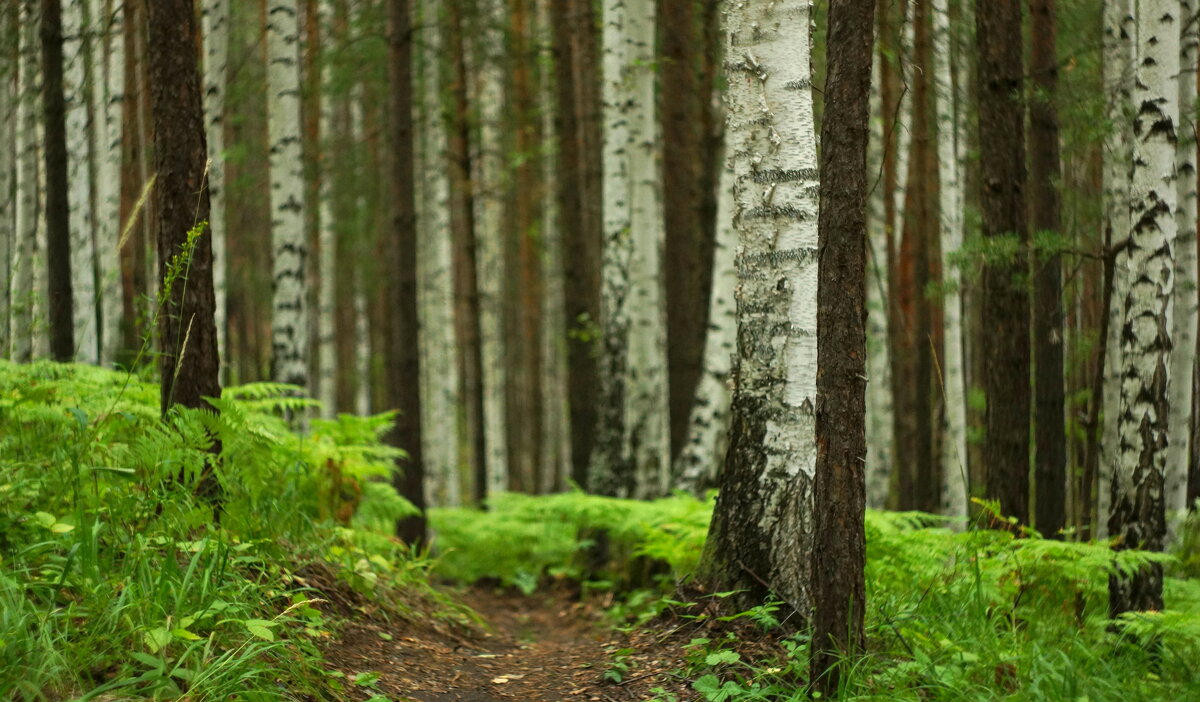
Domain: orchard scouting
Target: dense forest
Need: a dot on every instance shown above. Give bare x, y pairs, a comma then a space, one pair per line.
583, 349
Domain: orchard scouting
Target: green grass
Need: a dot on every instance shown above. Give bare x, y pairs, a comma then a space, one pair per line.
114, 581
952, 615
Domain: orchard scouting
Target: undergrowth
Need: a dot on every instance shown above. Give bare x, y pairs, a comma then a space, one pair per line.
115, 580
971, 614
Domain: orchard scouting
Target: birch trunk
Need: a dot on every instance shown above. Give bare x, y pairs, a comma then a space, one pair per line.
903, 126
289, 322
954, 449
79, 160
1183, 334
489, 220
9, 99
761, 533
697, 467
880, 425
632, 454
1138, 516
362, 351
436, 285
326, 242
215, 26
108, 87
1118, 67
27, 251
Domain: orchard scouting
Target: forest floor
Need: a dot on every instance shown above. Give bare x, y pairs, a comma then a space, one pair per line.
545, 647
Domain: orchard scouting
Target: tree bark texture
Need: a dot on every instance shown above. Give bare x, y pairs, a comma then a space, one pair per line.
839, 490
1006, 300
215, 22
108, 96
402, 347
58, 226
1138, 511
188, 362
761, 534
1050, 468
28, 255
76, 35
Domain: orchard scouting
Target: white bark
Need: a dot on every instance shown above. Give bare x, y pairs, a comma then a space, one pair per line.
79, 182
903, 126
954, 448
440, 392
556, 422
1183, 333
1138, 505
215, 18
362, 351
326, 240
289, 322
489, 227
699, 461
107, 35
880, 427
1118, 67
632, 456
9, 98
25, 285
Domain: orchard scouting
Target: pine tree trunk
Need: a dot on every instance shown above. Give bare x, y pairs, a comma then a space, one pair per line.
289, 321
1138, 516
839, 490
632, 453
761, 534
188, 363
1050, 468
1119, 30
1184, 323
108, 88
215, 23
28, 255
953, 366
79, 163
489, 232
1005, 299
58, 226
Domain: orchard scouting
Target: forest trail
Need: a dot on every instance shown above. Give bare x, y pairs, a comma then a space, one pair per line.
541, 648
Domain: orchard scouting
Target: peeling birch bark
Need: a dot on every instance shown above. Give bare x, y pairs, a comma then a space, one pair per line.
761, 534
289, 321
1138, 516
215, 26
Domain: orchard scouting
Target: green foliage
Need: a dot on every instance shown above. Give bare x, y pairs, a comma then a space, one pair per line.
114, 579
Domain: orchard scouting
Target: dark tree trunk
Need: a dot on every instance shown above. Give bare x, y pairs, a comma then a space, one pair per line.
401, 350
578, 190
839, 493
58, 233
188, 362
1005, 298
689, 236
1050, 470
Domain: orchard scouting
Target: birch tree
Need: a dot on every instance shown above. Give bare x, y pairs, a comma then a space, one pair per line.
761, 534
9, 98
1138, 511
954, 444
108, 96
326, 241
79, 162
880, 423
215, 26
632, 453
27, 253
289, 322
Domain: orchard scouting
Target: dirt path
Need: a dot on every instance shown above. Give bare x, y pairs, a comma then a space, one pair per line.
540, 648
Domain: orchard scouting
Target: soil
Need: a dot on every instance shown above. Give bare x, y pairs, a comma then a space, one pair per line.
542, 648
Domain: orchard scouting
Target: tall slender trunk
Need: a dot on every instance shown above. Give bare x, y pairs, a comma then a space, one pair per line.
761, 534
839, 490
289, 322
215, 24
1138, 511
489, 232
402, 347
58, 226
1050, 469
81, 218
108, 97
632, 453
1006, 301
9, 99
28, 255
